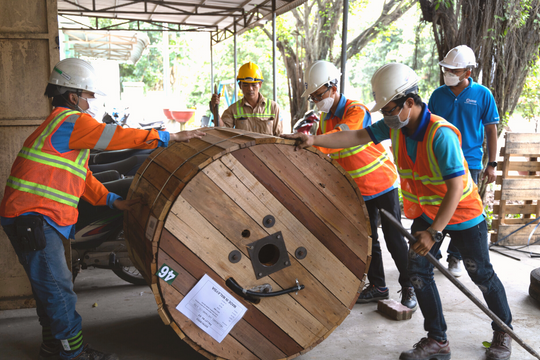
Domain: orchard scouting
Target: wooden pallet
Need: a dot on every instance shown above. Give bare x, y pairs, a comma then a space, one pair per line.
519, 189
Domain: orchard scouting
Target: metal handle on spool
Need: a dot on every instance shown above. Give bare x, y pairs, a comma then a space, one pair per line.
253, 296
397, 225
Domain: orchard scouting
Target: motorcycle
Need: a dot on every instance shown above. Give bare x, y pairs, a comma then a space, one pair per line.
99, 236
113, 119
308, 124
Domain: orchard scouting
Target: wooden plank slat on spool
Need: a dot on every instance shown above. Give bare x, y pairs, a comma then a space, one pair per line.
204, 199
300, 210
322, 263
257, 319
327, 311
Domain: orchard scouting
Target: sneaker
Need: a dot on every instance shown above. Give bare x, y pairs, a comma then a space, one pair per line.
49, 353
408, 298
455, 267
501, 347
427, 349
372, 293
90, 354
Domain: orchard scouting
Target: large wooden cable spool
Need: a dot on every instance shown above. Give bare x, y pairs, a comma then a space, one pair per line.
245, 206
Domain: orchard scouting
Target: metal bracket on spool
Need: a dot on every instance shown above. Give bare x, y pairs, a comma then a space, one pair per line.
269, 221
235, 256
268, 255
253, 296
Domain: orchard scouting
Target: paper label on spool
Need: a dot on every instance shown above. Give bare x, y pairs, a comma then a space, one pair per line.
151, 227
212, 308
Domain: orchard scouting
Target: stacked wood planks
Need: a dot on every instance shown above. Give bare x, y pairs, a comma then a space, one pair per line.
206, 199
520, 189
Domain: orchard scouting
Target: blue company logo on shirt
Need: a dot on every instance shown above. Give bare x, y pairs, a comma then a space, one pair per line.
471, 102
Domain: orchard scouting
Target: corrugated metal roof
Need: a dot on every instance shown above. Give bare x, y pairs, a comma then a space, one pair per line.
223, 17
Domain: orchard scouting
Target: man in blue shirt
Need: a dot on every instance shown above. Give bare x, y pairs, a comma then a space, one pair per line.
439, 194
471, 108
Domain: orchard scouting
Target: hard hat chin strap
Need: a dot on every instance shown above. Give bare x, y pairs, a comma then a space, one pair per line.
69, 102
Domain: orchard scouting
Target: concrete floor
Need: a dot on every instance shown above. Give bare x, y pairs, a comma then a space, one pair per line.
126, 322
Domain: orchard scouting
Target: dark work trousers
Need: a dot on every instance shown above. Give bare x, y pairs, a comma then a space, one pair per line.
452, 249
394, 240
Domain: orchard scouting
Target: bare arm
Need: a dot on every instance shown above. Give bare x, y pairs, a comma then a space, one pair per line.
337, 140
446, 211
491, 134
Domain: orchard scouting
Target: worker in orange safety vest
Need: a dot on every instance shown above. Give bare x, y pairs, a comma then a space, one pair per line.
48, 178
373, 172
439, 194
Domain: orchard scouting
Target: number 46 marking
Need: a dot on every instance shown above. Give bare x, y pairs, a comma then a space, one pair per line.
167, 274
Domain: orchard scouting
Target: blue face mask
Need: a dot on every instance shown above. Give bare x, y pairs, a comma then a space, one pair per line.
394, 122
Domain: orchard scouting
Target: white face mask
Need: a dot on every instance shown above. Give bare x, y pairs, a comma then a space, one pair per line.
393, 121
325, 104
451, 79
94, 105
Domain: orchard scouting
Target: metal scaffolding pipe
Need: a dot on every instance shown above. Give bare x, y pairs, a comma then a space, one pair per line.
235, 65
274, 66
344, 44
211, 64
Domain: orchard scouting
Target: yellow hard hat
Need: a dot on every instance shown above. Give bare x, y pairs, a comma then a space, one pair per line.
250, 73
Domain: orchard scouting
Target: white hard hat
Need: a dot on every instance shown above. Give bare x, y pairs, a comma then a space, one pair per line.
320, 73
392, 81
459, 58
75, 73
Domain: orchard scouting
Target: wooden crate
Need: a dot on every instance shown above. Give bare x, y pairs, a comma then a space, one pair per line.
519, 189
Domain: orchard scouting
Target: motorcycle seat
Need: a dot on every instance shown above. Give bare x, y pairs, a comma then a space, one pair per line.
109, 175
106, 157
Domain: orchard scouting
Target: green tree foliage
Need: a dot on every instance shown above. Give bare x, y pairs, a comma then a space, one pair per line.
311, 32
529, 101
404, 41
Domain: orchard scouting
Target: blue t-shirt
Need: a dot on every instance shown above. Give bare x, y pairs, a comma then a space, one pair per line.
340, 111
445, 146
470, 111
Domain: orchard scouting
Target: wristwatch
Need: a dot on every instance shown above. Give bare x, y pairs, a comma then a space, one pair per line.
436, 235
493, 164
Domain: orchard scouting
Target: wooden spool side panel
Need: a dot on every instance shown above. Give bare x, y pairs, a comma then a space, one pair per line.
356, 239
219, 210
203, 239
229, 348
255, 200
244, 333
337, 189
302, 212
196, 268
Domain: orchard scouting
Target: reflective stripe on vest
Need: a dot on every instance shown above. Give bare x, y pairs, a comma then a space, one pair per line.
42, 190
426, 179
374, 165
369, 164
240, 113
34, 153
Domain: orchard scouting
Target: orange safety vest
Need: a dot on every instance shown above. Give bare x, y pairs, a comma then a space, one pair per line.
422, 184
43, 180
369, 164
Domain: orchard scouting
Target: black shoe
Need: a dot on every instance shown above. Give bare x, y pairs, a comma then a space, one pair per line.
501, 347
408, 298
427, 349
49, 353
371, 293
90, 354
